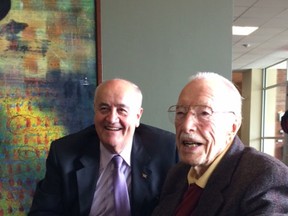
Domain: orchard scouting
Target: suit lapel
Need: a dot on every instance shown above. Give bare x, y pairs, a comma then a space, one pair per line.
87, 172
219, 180
141, 173
180, 184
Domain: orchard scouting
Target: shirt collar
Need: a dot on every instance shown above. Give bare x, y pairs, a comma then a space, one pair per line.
126, 153
106, 155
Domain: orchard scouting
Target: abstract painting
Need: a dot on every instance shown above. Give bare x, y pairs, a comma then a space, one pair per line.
48, 76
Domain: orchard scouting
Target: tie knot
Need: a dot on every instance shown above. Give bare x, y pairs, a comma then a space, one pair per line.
117, 160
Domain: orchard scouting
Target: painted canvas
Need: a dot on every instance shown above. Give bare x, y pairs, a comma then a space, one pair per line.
47, 82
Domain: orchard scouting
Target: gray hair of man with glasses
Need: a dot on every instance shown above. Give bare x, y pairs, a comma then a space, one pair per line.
228, 98
233, 94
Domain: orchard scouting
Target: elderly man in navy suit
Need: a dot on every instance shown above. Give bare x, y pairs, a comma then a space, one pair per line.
78, 178
218, 175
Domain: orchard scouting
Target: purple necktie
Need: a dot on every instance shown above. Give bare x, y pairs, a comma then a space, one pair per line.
121, 196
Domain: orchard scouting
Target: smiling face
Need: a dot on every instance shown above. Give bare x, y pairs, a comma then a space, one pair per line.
200, 141
118, 110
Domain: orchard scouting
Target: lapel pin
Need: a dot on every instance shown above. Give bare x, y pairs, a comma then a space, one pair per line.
144, 175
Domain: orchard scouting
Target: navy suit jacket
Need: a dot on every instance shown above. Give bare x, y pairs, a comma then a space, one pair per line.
72, 171
245, 182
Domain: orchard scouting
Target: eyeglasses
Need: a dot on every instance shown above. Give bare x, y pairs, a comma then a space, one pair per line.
202, 113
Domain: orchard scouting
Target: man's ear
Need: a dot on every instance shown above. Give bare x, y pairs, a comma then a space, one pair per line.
236, 125
139, 115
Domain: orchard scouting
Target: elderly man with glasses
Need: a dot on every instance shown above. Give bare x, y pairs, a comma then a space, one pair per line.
217, 174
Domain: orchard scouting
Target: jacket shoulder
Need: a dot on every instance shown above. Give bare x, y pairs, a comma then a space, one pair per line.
76, 141
86, 132
263, 162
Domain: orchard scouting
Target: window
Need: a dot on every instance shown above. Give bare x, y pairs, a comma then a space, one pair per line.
273, 139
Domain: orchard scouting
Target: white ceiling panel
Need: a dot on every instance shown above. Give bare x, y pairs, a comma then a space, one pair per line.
269, 44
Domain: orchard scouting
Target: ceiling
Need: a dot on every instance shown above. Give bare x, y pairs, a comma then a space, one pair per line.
267, 45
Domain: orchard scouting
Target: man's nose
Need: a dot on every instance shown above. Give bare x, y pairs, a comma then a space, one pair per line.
190, 121
112, 116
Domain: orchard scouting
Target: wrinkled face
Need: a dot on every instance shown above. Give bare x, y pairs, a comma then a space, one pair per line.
202, 137
118, 111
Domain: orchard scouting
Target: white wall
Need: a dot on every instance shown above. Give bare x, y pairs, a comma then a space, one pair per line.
158, 44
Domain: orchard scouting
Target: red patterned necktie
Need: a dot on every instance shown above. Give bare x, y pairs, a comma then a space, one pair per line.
189, 201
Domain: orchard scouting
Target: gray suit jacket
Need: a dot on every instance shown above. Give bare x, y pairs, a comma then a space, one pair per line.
245, 182
73, 170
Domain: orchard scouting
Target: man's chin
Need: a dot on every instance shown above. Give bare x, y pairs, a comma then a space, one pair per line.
112, 146
189, 159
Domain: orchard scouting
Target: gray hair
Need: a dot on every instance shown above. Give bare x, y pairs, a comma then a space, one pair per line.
231, 89
136, 88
